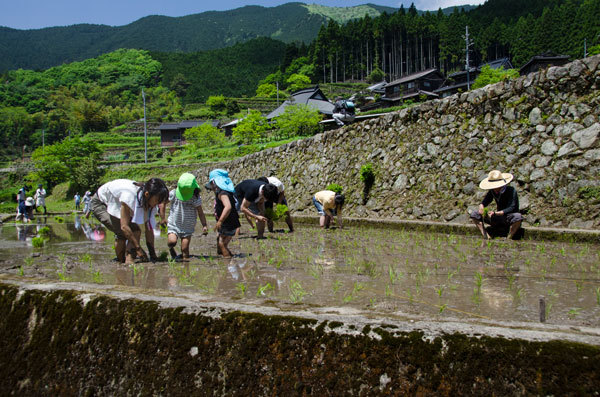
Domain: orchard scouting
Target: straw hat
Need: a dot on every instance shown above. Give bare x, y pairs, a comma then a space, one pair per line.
495, 180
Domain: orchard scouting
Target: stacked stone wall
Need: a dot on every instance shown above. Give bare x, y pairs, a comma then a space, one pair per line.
429, 158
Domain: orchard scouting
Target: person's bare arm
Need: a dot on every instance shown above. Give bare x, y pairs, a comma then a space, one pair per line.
202, 220
226, 211
126, 215
246, 210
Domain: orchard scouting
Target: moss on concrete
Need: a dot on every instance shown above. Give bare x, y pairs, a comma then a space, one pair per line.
57, 346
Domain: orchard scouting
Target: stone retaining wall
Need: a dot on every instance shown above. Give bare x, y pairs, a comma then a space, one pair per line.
429, 158
84, 342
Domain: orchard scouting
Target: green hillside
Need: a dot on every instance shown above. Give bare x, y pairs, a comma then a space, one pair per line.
43, 48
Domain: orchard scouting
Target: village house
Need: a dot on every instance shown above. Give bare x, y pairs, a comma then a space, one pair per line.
413, 86
459, 81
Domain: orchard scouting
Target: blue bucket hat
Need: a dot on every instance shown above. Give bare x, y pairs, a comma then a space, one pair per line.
221, 179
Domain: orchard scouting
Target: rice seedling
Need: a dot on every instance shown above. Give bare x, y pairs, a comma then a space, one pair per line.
37, 242
21, 271
597, 290
297, 293
28, 261
264, 289
574, 312
337, 284
44, 231
478, 283
443, 307
355, 290
439, 291
241, 288
316, 270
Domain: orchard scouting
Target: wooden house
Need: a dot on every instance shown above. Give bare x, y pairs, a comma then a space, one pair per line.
413, 86
543, 61
313, 97
459, 81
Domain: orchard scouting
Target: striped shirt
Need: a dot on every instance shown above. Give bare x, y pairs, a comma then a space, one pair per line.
183, 214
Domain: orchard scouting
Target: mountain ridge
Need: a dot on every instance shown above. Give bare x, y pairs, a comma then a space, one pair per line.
51, 46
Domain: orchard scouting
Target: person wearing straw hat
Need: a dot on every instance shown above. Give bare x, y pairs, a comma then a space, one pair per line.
507, 215
186, 204
228, 220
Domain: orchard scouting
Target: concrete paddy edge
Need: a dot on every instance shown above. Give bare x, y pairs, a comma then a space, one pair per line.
535, 233
71, 338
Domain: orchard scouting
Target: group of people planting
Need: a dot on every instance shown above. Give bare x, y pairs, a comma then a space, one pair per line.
123, 206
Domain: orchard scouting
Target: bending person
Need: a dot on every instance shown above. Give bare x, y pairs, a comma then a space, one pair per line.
250, 195
121, 206
280, 200
329, 204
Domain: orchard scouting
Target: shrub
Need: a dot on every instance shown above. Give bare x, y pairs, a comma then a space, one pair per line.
37, 242
204, 135
367, 176
334, 187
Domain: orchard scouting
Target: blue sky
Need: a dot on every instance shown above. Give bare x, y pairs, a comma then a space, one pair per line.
34, 14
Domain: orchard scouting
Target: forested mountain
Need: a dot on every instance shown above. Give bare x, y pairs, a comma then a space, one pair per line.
406, 42
292, 22
231, 71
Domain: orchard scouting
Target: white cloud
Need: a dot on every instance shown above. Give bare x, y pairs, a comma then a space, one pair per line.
435, 4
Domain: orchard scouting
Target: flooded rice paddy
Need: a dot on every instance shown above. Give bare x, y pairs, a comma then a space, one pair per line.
389, 272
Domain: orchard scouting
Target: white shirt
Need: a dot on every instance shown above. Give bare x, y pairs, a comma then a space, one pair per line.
274, 181
119, 191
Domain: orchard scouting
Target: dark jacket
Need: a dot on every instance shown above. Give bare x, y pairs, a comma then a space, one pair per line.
507, 201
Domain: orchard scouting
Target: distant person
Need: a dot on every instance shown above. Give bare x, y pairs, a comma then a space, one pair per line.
40, 198
329, 204
343, 111
226, 214
186, 205
25, 212
21, 195
122, 206
87, 199
507, 218
280, 200
77, 198
251, 195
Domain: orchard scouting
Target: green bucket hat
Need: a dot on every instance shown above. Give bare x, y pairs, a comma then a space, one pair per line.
185, 186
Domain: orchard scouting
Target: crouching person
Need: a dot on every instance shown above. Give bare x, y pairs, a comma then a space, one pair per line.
122, 206
507, 218
329, 204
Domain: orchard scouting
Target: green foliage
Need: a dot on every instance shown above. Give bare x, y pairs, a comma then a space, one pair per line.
594, 50
376, 76
87, 175
252, 128
297, 82
367, 174
44, 231
37, 242
298, 120
334, 187
62, 161
267, 90
276, 213
590, 194
216, 103
491, 76
204, 135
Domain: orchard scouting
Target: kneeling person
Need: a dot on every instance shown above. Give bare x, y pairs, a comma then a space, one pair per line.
507, 215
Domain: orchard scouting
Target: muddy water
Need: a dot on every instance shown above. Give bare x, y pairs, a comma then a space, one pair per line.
386, 271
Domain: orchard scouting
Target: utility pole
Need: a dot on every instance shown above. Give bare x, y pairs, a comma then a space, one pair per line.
145, 130
468, 43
